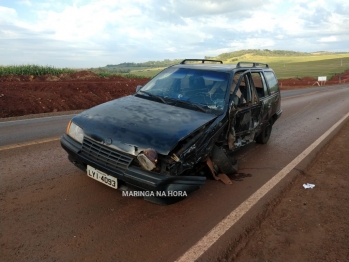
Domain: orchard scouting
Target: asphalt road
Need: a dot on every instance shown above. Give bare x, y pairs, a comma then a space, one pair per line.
31, 129
50, 210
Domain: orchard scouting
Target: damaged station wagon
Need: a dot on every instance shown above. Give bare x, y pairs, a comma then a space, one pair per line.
189, 117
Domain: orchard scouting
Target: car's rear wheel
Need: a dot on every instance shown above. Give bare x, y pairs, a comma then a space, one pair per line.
264, 136
227, 164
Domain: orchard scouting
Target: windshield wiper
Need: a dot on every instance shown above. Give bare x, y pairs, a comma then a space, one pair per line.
188, 103
152, 95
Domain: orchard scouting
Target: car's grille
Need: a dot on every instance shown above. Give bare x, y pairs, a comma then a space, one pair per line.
105, 156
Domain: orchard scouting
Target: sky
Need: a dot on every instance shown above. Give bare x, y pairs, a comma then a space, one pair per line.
84, 34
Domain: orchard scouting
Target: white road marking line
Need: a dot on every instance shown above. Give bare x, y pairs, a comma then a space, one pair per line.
2, 148
37, 118
214, 234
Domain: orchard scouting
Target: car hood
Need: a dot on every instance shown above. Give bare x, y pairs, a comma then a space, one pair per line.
132, 124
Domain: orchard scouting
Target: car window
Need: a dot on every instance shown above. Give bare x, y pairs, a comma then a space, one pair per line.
259, 83
245, 88
242, 86
235, 81
202, 87
272, 82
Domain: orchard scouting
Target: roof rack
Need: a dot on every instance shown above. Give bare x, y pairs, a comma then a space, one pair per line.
254, 64
202, 61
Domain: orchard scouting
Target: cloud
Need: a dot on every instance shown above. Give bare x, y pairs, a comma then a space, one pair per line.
26, 2
328, 39
7, 14
94, 33
195, 8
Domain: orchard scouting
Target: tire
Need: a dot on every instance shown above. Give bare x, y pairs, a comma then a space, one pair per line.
264, 136
227, 164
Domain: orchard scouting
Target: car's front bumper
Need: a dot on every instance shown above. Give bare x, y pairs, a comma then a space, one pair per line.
133, 176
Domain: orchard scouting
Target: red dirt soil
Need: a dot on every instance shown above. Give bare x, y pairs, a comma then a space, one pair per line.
306, 224
23, 95
292, 83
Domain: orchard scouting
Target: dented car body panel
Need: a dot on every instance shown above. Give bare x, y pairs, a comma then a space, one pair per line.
134, 124
161, 137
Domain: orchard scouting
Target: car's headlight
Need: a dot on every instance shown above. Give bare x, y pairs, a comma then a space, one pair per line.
148, 159
75, 132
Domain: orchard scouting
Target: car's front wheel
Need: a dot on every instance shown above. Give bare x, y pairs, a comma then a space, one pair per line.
264, 136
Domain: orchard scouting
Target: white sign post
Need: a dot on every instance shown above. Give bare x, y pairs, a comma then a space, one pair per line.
322, 79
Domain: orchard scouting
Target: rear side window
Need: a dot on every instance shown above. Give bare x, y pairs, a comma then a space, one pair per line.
272, 82
259, 84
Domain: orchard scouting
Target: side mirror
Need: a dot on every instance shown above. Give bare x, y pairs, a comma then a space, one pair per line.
138, 88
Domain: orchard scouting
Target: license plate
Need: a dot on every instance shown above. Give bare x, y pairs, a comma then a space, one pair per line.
102, 177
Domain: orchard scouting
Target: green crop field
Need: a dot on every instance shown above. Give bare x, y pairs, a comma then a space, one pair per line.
150, 72
34, 70
284, 66
301, 66
328, 67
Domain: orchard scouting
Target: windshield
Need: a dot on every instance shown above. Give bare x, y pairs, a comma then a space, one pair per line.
204, 88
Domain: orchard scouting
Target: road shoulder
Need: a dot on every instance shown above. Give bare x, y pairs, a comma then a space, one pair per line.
307, 224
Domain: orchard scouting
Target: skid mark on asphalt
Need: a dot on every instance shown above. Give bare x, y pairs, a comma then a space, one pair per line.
301, 110
2, 148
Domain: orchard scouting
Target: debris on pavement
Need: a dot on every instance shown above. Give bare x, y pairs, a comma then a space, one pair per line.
307, 185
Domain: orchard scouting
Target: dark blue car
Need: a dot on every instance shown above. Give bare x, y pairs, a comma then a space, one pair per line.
189, 117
